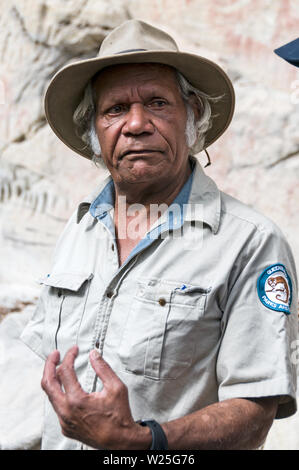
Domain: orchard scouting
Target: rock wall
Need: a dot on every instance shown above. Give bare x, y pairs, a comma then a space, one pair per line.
41, 181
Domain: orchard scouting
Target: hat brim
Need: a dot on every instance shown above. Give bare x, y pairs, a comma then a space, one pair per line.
65, 90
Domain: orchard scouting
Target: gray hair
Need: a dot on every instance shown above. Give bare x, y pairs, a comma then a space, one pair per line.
84, 118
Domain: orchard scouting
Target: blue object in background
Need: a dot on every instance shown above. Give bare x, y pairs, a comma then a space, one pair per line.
289, 52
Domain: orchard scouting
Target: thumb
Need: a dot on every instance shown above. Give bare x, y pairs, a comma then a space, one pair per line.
102, 369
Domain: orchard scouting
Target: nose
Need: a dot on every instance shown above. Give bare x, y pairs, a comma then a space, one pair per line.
137, 121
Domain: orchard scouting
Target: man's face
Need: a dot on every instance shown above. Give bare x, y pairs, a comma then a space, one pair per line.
140, 123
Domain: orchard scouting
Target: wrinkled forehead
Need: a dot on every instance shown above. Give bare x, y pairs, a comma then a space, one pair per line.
130, 74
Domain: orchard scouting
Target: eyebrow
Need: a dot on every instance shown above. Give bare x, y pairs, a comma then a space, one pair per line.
122, 97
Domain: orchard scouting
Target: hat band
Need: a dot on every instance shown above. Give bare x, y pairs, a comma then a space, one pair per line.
130, 50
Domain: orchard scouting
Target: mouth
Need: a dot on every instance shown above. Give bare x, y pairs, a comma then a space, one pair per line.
138, 153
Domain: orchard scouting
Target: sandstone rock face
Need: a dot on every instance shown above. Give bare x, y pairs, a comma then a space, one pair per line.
21, 397
41, 181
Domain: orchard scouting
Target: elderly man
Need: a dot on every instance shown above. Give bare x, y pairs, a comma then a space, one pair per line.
169, 315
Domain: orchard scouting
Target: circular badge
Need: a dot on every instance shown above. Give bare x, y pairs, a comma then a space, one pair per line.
274, 288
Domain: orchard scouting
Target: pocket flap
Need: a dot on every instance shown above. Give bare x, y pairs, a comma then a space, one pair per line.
70, 281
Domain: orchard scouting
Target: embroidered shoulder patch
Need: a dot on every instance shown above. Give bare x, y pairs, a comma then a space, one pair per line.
274, 288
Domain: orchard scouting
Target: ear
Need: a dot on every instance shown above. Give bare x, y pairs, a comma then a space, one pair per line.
196, 105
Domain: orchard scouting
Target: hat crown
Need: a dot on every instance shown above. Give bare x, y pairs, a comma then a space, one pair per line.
136, 35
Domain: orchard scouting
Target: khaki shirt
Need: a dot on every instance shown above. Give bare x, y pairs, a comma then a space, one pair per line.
197, 314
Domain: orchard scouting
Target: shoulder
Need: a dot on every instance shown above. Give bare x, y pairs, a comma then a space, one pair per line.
237, 212
262, 238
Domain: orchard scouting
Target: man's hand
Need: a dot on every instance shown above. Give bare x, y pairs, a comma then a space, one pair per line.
102, 419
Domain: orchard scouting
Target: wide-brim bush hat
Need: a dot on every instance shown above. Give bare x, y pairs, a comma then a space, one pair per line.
135, 42
289, 52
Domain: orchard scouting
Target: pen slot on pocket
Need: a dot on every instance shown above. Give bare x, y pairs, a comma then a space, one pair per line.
192, 289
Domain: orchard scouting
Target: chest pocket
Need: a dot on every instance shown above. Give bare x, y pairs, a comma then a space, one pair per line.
160, 334
65, 304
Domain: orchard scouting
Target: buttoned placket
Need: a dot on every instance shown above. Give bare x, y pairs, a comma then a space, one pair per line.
107, 300
104, 312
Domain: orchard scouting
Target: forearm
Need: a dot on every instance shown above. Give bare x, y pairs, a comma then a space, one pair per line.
231, 424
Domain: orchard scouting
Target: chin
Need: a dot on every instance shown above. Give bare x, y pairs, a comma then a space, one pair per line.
141, 174
140, 179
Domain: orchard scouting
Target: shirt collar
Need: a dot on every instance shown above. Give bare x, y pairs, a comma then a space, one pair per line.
85, 205
200, 193
206, 198
104, 202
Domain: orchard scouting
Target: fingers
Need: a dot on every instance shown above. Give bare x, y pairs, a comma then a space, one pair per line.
50, 383
103, 370
66, 373
64, 376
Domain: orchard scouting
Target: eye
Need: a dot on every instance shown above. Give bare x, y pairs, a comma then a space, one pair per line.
116, 109
157, 103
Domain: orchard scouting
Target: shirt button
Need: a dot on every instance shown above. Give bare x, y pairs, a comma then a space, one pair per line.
109, 295
97, 344
162, 302
112, 247
59, 293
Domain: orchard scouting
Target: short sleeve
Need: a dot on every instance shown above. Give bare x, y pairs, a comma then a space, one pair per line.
260, 325
32, 335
